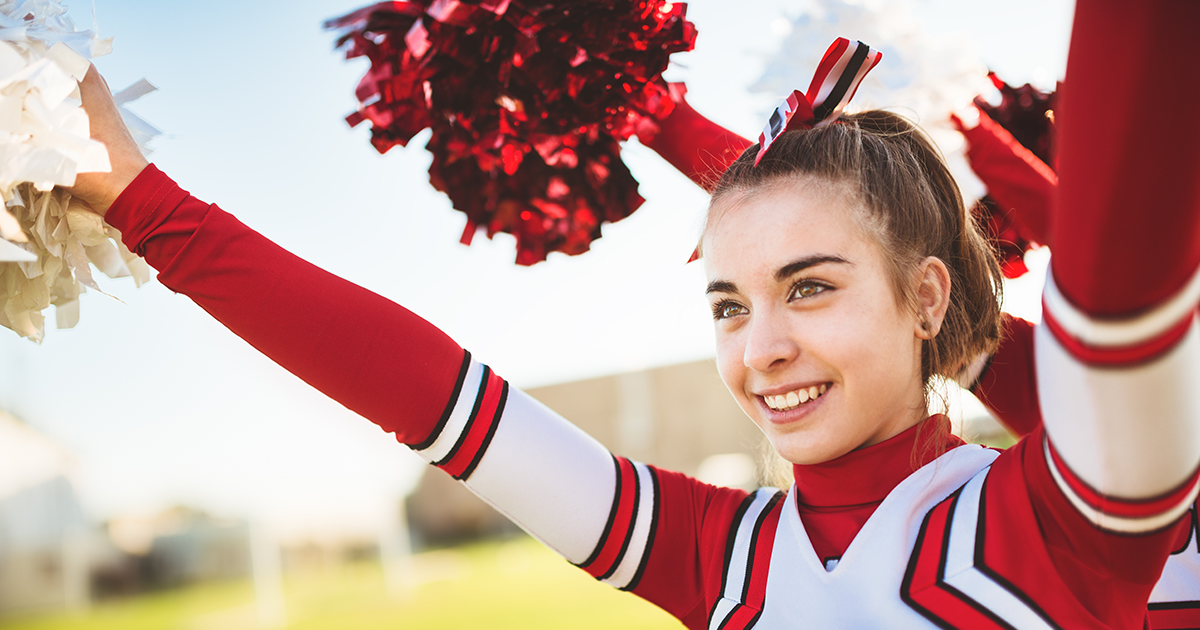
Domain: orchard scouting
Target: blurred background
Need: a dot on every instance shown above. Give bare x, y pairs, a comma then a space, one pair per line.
157, 472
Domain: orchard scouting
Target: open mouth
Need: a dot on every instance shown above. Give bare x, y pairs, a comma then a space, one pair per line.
791, 400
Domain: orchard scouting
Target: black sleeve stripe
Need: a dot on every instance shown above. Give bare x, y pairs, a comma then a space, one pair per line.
487, 440
441, 424
462, 438
633, 519
637, 577
612, 516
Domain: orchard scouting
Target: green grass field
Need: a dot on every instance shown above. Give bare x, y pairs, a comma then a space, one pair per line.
510, 585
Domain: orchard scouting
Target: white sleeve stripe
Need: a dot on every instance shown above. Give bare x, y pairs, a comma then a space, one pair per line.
737, 562
450, 404
1125, 525
1123, 332
472, 387
720, 613
1132, 430
641, 568
637, 544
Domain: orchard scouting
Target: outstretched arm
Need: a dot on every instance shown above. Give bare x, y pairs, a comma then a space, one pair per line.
623, 522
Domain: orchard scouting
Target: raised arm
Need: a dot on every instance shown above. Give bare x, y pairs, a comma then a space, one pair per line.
1118, 356
695, 145
1018, 180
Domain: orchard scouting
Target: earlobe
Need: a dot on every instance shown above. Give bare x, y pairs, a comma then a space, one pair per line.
933, 296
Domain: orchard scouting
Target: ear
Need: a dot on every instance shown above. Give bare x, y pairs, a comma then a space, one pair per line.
933, 296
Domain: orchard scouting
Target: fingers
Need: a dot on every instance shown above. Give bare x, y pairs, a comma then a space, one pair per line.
100, 190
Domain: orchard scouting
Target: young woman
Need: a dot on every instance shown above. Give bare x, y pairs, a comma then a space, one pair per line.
843, 275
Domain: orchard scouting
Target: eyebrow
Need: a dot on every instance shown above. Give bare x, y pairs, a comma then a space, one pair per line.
796, 266
783, 273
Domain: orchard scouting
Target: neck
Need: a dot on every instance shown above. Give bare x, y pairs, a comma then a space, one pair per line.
836, 498
868, 474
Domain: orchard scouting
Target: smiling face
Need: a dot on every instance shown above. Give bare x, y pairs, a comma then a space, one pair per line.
803, 305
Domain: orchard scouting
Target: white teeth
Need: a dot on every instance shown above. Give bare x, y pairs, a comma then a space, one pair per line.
790, 400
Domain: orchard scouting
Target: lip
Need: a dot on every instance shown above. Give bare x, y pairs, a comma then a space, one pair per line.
783, 389
794, 414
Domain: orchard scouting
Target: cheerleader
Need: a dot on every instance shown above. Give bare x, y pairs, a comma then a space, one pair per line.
843, 274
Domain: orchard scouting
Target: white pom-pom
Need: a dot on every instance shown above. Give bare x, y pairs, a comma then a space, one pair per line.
48, 240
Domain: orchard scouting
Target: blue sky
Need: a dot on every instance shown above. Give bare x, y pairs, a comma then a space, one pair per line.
162, 405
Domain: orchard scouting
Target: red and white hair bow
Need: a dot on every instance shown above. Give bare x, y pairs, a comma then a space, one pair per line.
842, 68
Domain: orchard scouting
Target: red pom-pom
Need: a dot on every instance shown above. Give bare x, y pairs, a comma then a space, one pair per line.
1027, 113
527, 103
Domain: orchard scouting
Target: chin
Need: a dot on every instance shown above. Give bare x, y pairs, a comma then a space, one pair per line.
804, 452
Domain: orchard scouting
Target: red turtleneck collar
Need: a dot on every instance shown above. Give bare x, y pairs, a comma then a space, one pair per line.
838, 496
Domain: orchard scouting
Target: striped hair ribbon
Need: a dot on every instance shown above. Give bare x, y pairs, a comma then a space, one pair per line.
841, 70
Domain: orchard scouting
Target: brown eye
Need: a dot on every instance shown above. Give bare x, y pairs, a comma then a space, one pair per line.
806, 289
725, 310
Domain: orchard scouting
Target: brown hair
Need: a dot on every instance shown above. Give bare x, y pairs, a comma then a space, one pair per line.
913, 209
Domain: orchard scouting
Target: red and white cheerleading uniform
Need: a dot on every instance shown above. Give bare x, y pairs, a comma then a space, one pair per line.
1067, 529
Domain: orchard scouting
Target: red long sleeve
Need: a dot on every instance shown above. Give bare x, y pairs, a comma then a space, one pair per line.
392, 367
1020, 182
1008, 385
695, 145
1128, 140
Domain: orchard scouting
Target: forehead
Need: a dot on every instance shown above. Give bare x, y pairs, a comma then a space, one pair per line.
761, 230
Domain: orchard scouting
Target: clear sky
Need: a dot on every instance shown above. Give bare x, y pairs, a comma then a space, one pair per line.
162, 405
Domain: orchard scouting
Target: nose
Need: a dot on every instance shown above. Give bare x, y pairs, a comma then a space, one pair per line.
770, 342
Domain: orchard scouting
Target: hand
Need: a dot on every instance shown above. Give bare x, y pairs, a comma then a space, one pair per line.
100, 190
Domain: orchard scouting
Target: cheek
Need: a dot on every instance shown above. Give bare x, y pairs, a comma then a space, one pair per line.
730, 363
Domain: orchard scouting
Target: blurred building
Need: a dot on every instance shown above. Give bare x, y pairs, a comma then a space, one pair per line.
44, 534
186, 545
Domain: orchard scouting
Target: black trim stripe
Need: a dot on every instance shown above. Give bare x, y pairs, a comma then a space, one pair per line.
612, 516
491, 433
728, 616
637, 577
633, 516
441, 423
845, 80
906, 585
732, 540
1188, 605
951, 515
758, 524
462, 437
729, 545
754, 619
991, 573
